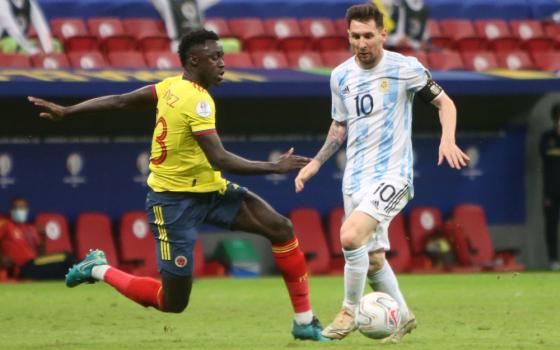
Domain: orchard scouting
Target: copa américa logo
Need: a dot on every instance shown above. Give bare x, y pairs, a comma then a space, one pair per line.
74, 166
6, 165
143, 166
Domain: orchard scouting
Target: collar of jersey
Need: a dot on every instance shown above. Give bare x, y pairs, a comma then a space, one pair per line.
198, 87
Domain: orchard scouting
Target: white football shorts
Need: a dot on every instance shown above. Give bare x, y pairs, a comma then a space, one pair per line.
382, 201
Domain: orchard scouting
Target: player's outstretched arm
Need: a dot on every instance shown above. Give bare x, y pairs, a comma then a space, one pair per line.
448, 149
335, 139
141, 98
224, 160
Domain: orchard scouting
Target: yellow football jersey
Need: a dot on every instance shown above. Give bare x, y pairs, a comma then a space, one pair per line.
177, 163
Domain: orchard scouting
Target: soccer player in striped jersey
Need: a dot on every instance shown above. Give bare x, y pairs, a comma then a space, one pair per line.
372, 94
187, 188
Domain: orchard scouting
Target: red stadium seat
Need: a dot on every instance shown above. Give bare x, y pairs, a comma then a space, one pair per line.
53, 61
445, 60
334, 58
304, 60
399, 256
14, 61
437, 38
336, 217
162, 60
269, 60
203, 267
462, 34
288, 34
497, 34
309, 231
514, 60
552, 30
479, 60
74, 34
137, 243
473, 244
251, 32
55, 228
341, 27
323, 33
218, 26
87, 60
111, 34
546, 60
140, 28
93, 231
238, 60
423, 223
126, 59
532, 35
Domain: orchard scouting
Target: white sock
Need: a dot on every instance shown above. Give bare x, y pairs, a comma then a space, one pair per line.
98, 271
303, 317
355, 272
385, 281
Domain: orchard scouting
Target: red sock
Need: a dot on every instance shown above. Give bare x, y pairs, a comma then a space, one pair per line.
291, 262
145, 291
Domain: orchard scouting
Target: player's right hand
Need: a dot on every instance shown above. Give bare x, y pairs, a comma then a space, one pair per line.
288, 162
52, 111
306, 173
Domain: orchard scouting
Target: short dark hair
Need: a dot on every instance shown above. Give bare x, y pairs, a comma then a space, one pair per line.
192, 39
364, 13
555, 112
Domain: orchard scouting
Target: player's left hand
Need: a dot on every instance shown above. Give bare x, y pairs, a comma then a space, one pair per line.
452, 154
52, 111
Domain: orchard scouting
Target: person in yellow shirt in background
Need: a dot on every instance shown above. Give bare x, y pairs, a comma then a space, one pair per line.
188, 189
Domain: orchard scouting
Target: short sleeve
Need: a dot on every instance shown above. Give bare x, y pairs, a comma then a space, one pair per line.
417, 75
338, 111
202, 118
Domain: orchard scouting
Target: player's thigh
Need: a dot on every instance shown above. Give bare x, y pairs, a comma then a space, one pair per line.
173, 219
176, 292
255, 215
356, 229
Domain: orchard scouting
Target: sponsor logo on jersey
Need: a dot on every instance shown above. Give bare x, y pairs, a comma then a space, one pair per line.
346, 90
203, 109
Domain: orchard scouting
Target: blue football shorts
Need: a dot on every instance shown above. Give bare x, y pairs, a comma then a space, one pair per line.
175, 216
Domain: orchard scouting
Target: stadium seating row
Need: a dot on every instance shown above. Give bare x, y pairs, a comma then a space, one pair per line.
468, 235
290, 34
136, 245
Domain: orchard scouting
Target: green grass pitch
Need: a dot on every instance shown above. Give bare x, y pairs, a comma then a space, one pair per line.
484, 311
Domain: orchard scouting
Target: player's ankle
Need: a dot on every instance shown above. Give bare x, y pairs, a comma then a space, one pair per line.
98, 272
302, 318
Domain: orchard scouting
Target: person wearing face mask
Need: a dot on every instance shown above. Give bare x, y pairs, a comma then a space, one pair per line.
550, 155
22, 248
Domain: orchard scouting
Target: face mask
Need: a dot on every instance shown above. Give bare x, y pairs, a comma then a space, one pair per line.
20, 215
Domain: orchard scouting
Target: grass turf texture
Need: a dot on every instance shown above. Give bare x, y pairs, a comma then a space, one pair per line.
485, 311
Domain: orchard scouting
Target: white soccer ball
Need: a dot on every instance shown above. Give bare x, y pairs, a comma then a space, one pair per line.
377, 316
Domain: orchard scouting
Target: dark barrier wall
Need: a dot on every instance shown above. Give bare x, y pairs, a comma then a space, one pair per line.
108, 175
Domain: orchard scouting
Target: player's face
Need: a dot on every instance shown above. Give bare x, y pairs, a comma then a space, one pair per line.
367, 41
211, 64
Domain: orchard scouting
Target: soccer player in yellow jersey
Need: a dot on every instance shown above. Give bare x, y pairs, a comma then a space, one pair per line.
187, 188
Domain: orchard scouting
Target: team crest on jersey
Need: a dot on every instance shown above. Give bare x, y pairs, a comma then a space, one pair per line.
203, 109
384, 85
181, 261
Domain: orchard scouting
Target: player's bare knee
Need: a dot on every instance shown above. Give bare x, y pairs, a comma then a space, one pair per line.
376, 262
282, 230
349, 238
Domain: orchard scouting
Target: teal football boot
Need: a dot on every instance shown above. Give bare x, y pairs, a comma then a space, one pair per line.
81, 272
310, 331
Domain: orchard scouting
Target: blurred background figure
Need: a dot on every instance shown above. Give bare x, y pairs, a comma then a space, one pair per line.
406, 23
22, 248
16, 19
550, 154
180, 16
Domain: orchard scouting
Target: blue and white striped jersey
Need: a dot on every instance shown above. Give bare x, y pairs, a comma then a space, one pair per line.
376, 105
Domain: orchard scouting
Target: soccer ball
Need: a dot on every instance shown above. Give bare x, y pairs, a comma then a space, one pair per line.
377, 316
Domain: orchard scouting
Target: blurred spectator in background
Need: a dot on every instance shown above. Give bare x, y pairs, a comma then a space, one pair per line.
550, 153
406, 23
16, 17
22, 248
180, 17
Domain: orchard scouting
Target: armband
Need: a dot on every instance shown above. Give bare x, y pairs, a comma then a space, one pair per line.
429, 92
